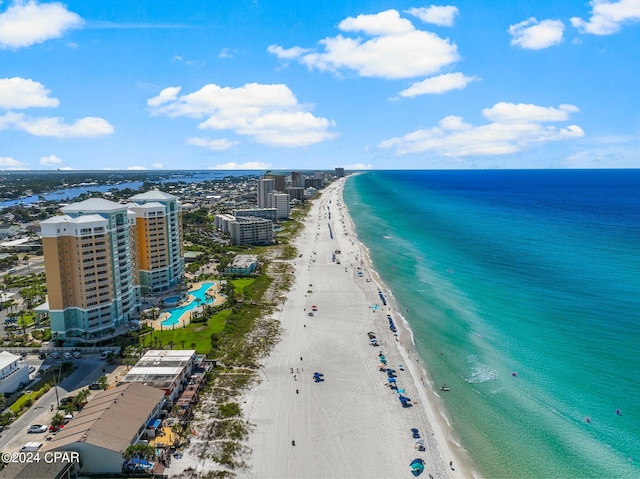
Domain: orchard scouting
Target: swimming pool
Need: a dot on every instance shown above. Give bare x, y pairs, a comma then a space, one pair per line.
171, 300
175, 313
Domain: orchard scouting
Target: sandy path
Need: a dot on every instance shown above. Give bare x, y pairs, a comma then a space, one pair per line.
351, 425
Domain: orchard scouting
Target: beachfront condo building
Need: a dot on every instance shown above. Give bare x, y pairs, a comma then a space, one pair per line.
297, 180
279, 181
268, 213
99, 253
251, 230
246, 229
281, 202
159, 240
265, 186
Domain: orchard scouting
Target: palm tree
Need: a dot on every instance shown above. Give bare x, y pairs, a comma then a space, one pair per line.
143, 451
57, 420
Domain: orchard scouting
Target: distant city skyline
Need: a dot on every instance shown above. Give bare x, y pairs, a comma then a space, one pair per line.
283, 85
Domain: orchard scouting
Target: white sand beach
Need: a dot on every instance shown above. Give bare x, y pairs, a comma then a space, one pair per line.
351, 425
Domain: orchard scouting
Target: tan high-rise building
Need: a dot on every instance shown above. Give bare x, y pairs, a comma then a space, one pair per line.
159, 232
97, 255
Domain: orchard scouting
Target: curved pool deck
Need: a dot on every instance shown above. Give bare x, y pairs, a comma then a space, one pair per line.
177, 316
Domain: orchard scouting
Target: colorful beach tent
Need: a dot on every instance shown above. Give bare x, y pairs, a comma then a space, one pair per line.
417, 466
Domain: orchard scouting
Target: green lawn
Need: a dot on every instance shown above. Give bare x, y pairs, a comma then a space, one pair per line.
240, 284
197, 333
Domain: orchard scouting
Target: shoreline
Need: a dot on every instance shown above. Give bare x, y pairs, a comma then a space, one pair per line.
351, 424
448, 443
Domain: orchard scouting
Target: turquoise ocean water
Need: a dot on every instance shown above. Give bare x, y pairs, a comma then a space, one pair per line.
522, 289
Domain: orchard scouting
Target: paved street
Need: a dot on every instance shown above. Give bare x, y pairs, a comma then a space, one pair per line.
89, 369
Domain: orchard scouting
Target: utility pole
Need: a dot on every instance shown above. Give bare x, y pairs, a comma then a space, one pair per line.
56, 382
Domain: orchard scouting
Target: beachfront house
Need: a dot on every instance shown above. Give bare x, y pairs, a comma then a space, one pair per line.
242, 265
168, 371
111, 422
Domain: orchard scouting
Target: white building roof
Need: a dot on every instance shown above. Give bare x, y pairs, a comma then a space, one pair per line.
7, 358
153, 195
93, 205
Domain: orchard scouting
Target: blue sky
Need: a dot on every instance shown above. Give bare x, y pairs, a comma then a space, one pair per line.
285, 84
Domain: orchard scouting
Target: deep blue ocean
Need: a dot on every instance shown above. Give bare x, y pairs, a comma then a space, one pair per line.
522, 289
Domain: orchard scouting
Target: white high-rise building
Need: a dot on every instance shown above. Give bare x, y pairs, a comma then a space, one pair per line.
281, 204
265, 186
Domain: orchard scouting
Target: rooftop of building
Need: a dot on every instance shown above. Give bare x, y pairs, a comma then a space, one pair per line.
149, 206
93, 205
251, 219
159, 368
111, 419
244, 260
77, 220
7, 358
36, 470
153, 195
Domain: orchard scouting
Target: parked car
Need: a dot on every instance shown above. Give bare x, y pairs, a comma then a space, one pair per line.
105, 354
55, 355
67, 355
68, 417
94, 386
55, 429
42, 356
77, 354
37, 428
31, 446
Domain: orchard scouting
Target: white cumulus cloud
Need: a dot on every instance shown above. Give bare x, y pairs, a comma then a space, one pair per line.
534, 35
512, 128
359, 166
269, 114
165, 96
384, 23
51, 160
25, 23
88, 127
7, 163
436, 15
19, 92
395, 49
523, 112
250, 165
438, 84
219, 144
608, 17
